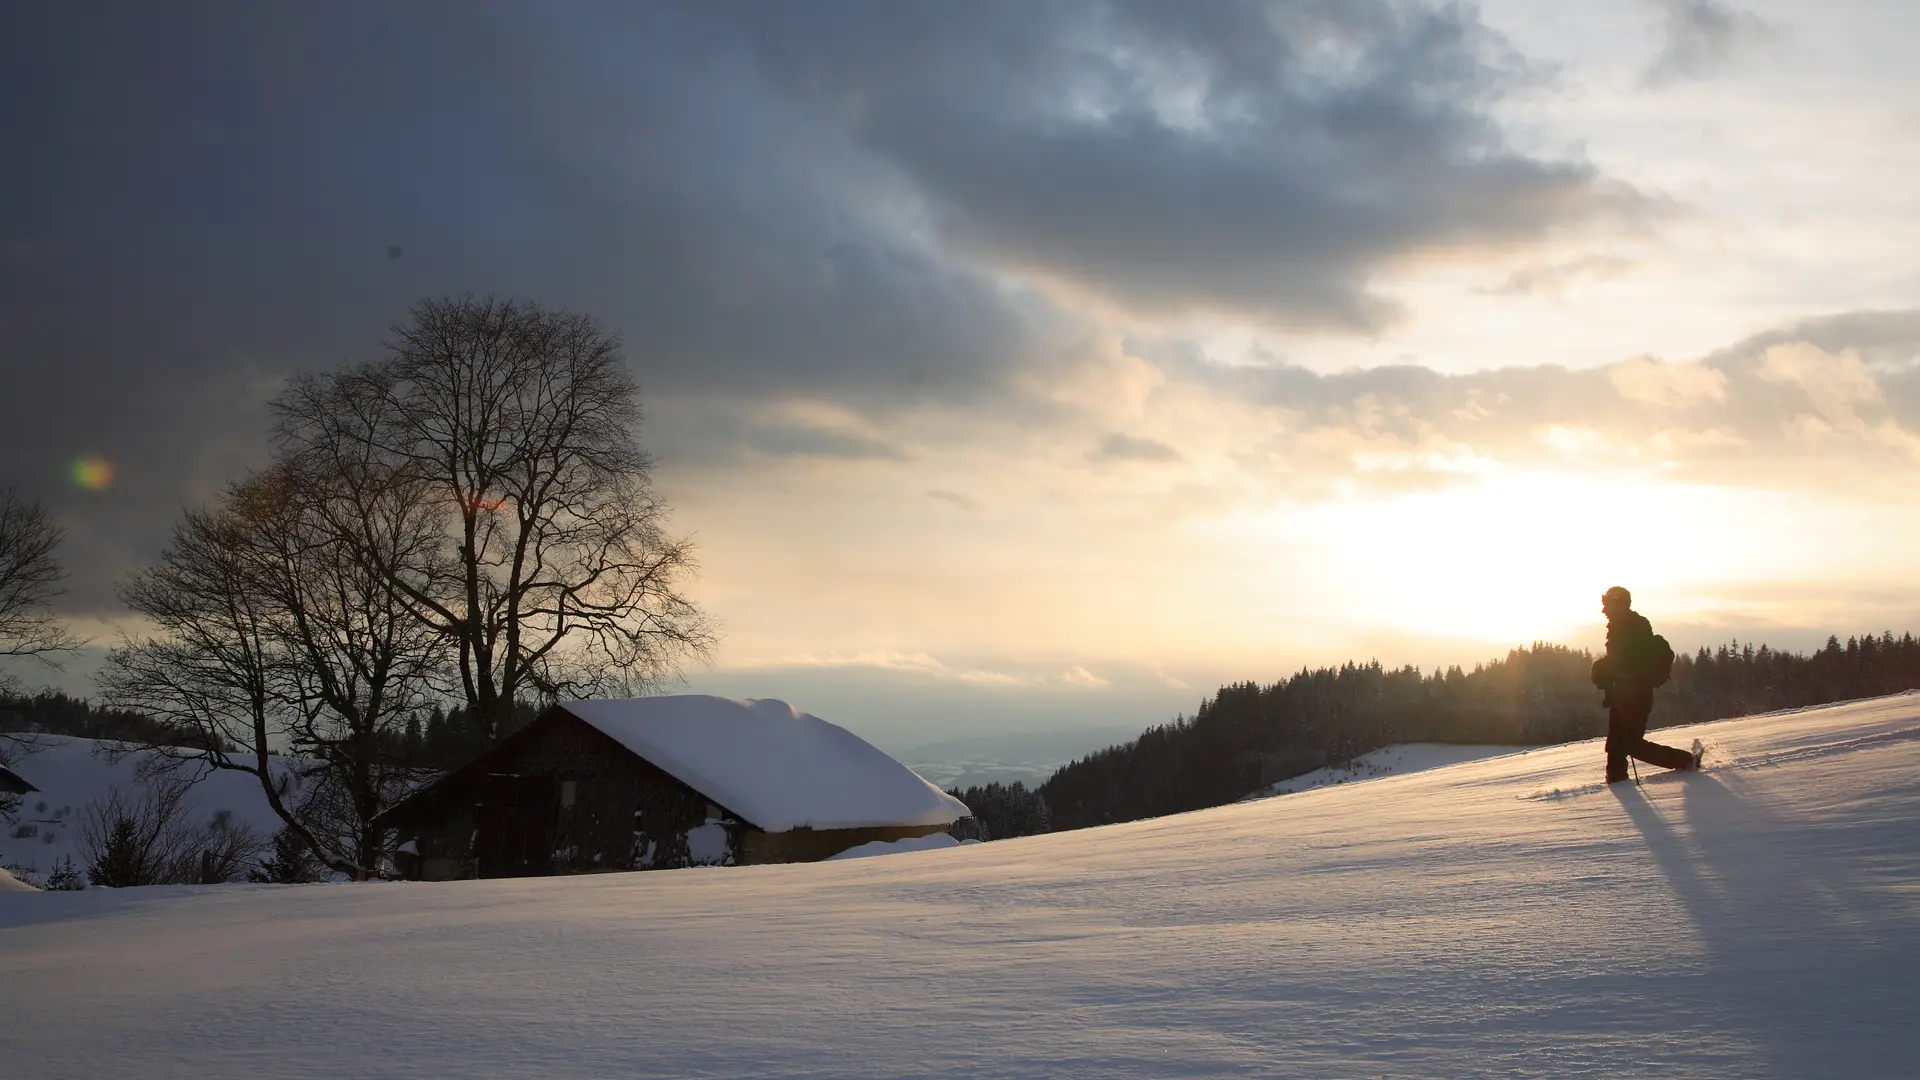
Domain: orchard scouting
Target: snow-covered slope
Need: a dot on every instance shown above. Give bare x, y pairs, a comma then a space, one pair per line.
1395, 760
1509, 916
71, 773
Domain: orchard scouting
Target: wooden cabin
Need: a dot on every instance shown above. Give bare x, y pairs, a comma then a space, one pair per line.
659, 783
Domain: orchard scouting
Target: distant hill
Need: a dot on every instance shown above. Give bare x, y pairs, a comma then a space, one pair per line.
1249, 736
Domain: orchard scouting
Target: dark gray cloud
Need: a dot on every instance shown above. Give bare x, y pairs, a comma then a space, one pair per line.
201, 200
767, 201
1267, 159
1699, 37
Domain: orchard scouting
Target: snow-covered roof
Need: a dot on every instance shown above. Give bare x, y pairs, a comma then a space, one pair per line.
772, 764
13, 782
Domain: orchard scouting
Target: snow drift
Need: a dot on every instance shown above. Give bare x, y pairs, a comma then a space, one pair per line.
1507, 916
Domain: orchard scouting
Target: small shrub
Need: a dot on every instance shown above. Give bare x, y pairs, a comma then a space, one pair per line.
228, 849
65, 877
26, 830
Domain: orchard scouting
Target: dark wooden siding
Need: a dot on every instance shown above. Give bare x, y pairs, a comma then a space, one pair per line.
621, 804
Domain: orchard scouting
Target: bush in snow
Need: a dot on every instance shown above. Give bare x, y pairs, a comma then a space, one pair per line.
228, 849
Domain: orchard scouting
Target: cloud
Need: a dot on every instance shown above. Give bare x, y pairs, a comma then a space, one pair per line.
1701, 37
933, 219
1552, 280
1171, 682
1265, 160
1828, 402
793, 441
1668, 386
1116, 446
909, 663
1081, 677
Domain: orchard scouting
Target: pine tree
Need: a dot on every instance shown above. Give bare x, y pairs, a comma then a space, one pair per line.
123, 861
290, 864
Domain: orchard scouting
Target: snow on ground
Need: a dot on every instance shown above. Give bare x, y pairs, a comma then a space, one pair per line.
930, 842
70, 774
9, 883
1508, 916
1395, 760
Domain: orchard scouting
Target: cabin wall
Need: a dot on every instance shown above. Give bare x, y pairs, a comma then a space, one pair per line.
623, 808
812, 845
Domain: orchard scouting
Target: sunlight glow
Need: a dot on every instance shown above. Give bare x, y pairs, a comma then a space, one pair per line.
1524, 556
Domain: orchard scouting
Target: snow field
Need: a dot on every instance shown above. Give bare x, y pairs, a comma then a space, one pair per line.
1505, 916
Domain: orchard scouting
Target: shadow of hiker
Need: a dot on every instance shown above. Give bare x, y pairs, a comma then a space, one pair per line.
1809, 968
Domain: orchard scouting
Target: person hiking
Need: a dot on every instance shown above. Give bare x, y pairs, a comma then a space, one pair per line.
1637, 660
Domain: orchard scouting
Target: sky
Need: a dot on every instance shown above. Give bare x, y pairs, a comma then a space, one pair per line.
1020, 365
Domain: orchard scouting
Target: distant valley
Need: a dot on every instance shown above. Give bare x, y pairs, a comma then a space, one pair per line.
1029, 757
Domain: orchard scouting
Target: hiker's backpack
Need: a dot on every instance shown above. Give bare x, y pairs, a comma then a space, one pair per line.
1659, 661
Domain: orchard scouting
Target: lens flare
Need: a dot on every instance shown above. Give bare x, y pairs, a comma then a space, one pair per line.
93, 473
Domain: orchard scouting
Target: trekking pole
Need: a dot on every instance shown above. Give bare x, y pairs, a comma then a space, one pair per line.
1635, 766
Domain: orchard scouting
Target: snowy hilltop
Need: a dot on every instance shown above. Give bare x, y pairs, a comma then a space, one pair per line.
1509, 915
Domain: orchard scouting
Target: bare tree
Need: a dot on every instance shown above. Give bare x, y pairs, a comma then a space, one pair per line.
517, 425
146, 836
277, 628
140, 836
30, 579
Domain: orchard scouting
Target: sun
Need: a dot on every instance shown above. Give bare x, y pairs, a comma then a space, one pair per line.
1518, 557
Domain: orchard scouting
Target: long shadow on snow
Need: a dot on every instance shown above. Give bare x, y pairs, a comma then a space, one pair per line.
1802, 947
